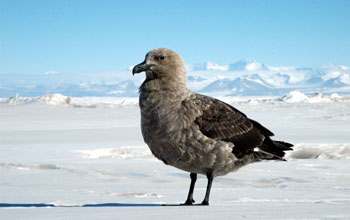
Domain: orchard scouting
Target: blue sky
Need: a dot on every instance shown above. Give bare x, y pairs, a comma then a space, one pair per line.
75, 36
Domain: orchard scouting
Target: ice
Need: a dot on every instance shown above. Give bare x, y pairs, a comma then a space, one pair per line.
85, 159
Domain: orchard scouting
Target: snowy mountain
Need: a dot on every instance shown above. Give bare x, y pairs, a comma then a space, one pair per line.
253, 84
340, 81
331, 76
240, 78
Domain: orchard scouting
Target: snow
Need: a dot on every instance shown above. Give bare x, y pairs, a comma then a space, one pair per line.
320, 151
84, 158
61, 100
110, 102
127, 152
345, 78
295, 96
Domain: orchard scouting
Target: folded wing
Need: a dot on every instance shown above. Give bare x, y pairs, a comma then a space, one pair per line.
222, 121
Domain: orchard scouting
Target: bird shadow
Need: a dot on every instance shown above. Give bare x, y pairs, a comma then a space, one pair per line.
43, 205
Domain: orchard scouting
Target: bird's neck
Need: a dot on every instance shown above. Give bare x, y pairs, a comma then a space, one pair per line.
154, 83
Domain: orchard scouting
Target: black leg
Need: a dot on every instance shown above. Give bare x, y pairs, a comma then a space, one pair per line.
190, 200
210, 181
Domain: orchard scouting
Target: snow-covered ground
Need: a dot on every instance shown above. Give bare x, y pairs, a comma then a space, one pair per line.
84, 158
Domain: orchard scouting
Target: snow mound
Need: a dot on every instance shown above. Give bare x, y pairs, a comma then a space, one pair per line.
67, 101
55, 99
299, 97
16, 100
335, 96
128, 152
295, 96
51, 99
322, 151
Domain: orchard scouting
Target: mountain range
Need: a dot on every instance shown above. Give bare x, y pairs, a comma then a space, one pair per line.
243, 78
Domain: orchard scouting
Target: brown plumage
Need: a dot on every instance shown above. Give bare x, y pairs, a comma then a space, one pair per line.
193, 132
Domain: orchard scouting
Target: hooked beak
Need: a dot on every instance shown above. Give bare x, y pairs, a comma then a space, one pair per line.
141, 67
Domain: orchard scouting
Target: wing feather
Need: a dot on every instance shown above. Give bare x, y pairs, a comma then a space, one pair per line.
222, 121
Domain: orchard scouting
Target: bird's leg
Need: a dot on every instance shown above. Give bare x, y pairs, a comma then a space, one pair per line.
190, 200
210, 181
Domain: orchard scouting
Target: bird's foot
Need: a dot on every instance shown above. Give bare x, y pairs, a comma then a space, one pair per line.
188, 202
205, 203
191, 202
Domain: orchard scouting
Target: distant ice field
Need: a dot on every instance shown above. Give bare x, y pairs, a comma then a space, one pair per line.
64, 152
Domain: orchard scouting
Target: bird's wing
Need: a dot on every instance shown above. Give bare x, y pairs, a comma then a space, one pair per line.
222, 121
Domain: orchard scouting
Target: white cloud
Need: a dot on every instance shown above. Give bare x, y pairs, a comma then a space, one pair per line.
51, 72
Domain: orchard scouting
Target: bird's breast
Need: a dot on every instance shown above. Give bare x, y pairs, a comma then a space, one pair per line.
164, 117
160, 114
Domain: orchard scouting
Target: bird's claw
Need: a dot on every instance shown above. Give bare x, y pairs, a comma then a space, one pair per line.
188, 202
191, 202
205, 203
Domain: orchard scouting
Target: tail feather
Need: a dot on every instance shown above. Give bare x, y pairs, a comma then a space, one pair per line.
276, 148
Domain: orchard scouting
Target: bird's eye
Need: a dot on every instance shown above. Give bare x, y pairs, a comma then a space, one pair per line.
159, 57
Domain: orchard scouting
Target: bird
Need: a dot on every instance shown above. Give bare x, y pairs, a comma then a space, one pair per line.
193, 132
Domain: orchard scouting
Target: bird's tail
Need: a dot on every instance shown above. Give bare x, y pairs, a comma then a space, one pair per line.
275, 148
269, 150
